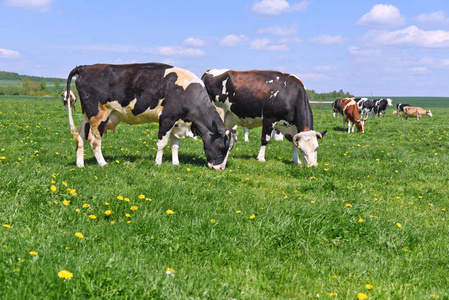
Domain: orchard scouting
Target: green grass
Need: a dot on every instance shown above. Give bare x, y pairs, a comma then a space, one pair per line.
315, 231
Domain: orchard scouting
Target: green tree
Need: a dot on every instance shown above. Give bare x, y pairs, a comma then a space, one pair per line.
43, 85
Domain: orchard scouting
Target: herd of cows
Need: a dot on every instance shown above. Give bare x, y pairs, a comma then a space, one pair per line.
211, 108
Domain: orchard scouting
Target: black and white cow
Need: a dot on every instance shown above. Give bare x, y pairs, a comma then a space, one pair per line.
359, 102
381, 106
400, 108
145, 93
270, 99
368, 109
336, 108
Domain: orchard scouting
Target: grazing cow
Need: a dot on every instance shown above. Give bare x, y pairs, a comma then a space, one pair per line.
360, 102
72, 100
368, 109
145, 93
400, 108
350, 114
381, 106
417, 112
336, 108
270, 99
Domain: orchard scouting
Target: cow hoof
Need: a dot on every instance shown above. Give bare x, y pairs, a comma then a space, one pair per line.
80, 165
261, 159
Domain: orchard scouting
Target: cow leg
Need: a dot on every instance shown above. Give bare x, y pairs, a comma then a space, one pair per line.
80, 142
295, 156
349, 126
161, 145
344, 123
246, 132
174, 144
267, 127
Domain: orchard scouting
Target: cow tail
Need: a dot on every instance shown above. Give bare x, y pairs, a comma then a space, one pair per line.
73, 129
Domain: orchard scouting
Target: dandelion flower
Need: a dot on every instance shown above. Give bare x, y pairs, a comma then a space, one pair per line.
369, 286
361, 296
53, 188
108, 212
141, 196
188, 169
134, 208
361, 220
128, 215
238, 212
65, 274
79, 235
212, 221
126, 199
399, 225
171, 272
348, 204
120, 198
73, 192
65, 202
169, 212
6, 226
93, 217
85, 205
34, 253
252, 217
332, 294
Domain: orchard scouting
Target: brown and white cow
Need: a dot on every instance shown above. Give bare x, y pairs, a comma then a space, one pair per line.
72, 100
418, 112
350, 114
145, 93
270, 99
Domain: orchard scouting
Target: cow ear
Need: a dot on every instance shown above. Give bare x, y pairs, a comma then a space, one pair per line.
321, 134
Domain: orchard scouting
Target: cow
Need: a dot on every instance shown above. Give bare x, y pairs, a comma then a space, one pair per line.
145, 93
418, 112
360, 102
350, 114
381, 106
72, 100
400, 108
270, 99
336, 107
368, 109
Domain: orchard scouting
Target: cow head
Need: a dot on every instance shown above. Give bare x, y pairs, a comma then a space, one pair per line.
389, 102
360, 124
429, 113
307, 142
217, 146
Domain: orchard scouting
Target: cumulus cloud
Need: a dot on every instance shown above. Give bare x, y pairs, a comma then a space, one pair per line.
5, 53
232, 40
193, 42
34, 5
277, 7
433, 18
266, 45
327, 39
281, 31
364, 52
179, 51
410, 36
383, 16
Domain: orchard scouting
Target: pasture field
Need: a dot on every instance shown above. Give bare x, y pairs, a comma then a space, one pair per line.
370, 221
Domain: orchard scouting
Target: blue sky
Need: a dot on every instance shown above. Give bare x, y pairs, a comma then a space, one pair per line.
383, 48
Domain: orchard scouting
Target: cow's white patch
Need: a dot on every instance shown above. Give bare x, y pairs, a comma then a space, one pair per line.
269, 81
217, 72
277, 78
185, 78
124, 113
224, 87
273, 95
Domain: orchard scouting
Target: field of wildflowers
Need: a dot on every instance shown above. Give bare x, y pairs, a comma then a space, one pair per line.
370, 222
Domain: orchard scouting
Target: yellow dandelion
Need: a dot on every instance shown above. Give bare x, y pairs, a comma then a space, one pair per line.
238, 212
170, 271
141, 196
128, 215
65, 274
106, 203
120, 198
53, 188
128, 222
369, 286
79, 235
252, 217
169, 212
188, 169
212, 221
93, 217
126, 199
348, 204
399, 225
73, 192
34, 253
134, 208
65, 202
85, 205
77, 210
361, 220
332, 294
147, 199
361, 296
113, 222
64, 184
404, 249
6, 226
108, 212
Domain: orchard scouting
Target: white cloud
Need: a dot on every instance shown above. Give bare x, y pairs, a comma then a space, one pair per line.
193, 42
178, 51
294, 40
312, 77
382, 15
327, 39
5, 53
281, 31
277, 7
266, 45
364, 52
410, 36
417, 70
34, 5
232, 40
433, 18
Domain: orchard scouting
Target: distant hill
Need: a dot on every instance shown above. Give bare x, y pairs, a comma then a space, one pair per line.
15, 76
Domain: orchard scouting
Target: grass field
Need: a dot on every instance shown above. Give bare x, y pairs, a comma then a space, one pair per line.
370, 220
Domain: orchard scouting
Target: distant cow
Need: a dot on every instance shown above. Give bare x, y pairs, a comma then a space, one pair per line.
417, 112
72, 100
350, 114
270, 99
400, 108
381, 106
368, 109
336, 107
146, 93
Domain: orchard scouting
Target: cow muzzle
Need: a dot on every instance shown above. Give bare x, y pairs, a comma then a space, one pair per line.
217, 167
